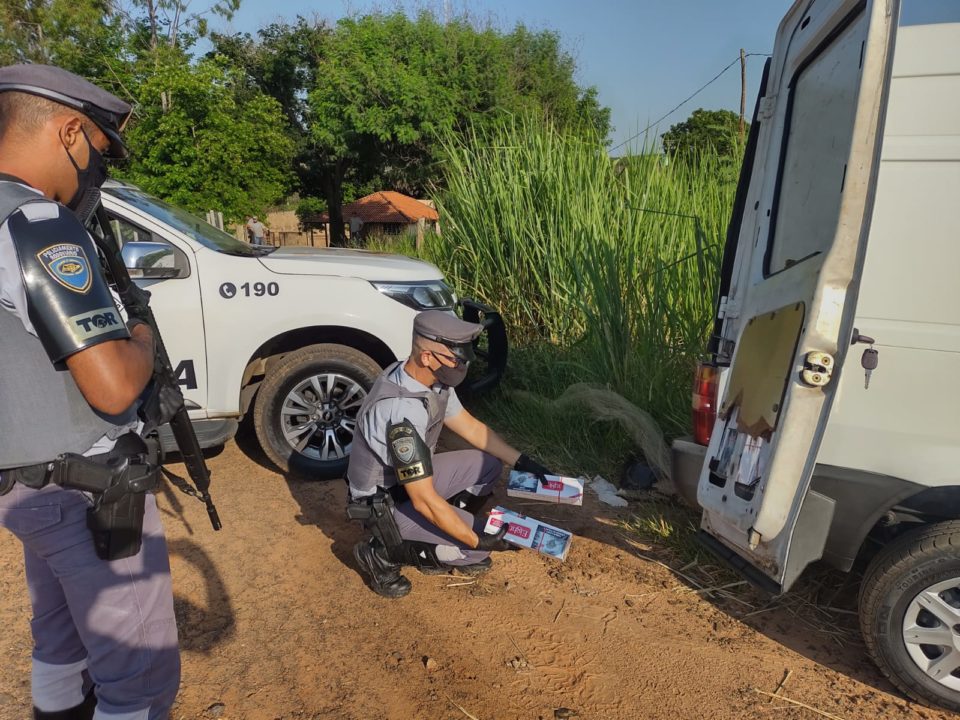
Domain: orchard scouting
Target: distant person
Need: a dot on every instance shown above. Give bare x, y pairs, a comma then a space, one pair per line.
247, 230
257, 231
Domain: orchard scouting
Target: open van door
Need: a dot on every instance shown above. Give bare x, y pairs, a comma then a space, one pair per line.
787, 320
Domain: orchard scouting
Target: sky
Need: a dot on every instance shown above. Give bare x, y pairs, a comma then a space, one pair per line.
644, 56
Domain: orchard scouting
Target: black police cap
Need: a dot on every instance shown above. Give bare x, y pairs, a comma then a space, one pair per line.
109, 112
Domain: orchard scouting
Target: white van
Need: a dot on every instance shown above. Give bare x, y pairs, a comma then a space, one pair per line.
842, 245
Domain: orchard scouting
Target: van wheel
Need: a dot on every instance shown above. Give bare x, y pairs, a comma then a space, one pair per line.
305, 414
910, 613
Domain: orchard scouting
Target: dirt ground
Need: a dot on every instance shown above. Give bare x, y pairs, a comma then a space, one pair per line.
276, 623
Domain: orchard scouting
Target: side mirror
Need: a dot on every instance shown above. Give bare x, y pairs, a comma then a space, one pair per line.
152, 261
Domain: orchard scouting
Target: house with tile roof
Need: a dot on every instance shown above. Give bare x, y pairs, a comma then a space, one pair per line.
384, 213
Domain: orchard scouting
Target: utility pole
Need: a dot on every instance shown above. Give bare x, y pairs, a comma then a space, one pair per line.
743, 89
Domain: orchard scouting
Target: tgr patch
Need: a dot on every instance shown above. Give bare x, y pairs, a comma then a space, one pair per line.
95, 322
67, 264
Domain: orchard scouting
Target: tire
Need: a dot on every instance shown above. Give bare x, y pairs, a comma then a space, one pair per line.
314, 443
917, 571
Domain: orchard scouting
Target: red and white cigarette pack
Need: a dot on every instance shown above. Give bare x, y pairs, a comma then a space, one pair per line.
529, 533
554, 488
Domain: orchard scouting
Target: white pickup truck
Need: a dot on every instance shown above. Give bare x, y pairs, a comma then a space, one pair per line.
294, 336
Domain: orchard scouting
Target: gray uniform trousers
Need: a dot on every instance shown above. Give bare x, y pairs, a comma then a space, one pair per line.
472, 470
111, 620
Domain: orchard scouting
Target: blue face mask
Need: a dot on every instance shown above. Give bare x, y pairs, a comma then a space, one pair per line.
89, 178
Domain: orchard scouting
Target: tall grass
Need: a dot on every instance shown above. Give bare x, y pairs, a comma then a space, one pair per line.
605, 270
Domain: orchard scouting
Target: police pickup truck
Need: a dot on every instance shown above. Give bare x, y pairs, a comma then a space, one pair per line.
291, 337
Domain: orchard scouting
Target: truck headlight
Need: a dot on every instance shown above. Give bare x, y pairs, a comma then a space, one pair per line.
430, 295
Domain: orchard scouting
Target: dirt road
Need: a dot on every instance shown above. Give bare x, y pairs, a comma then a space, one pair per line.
275, 623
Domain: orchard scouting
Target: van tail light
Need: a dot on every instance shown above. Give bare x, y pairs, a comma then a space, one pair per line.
704, 403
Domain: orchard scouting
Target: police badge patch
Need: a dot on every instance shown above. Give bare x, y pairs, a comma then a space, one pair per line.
404, 449
409, 456
67, 264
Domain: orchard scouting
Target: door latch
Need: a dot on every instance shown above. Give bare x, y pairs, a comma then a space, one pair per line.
817, 369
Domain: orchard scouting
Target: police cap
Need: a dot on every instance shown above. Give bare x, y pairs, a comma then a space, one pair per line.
449, 330
109, 112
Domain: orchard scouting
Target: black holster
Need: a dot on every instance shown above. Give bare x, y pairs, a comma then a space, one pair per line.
118, 482
376, 514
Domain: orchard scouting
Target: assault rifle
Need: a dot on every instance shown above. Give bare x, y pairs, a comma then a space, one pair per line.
162, 402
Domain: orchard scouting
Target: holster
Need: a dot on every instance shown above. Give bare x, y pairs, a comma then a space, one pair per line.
376, 514
117, 480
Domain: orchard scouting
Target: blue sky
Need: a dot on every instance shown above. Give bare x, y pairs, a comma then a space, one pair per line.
644, 56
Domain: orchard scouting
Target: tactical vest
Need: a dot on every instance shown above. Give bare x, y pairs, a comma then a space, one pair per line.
42, 411
366, 471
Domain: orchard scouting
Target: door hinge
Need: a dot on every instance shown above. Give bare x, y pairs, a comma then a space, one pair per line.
817, 369
767, 105
728, 308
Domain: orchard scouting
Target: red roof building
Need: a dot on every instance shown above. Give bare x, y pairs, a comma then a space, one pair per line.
384, 213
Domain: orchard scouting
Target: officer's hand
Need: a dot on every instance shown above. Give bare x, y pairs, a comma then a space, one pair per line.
527, 464
494, 543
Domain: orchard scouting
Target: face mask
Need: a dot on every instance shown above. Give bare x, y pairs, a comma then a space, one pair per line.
93, 176
450, 376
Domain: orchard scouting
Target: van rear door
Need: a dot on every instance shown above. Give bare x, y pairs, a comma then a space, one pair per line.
787, 320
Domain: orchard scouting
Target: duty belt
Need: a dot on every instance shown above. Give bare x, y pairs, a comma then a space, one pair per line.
131, 467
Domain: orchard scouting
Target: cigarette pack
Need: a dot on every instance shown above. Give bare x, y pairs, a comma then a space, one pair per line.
529, 533
554, 488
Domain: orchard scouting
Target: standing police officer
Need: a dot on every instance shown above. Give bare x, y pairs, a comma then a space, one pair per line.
416, 503
74, 471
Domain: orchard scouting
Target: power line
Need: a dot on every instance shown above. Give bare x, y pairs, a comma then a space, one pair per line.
684, 102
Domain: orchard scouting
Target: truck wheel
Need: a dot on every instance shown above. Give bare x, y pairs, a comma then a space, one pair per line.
910, 613
305, 414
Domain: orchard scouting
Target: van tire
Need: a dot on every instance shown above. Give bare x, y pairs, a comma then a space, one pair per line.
286, 375
913, 562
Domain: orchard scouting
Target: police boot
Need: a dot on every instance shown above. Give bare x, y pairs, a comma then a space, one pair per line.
83, 711
385, 577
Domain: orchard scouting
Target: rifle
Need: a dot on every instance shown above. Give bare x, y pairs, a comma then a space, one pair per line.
162, 400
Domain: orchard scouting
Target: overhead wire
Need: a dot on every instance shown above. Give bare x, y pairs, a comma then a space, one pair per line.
686, 100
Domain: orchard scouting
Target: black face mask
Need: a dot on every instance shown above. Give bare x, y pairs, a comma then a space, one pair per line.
450, 376
92, 177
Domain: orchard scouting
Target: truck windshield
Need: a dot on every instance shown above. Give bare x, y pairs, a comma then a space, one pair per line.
200, 230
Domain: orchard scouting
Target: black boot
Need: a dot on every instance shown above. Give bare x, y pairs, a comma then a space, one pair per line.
83, 711
385, 577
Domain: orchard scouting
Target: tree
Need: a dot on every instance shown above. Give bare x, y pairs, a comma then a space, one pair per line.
379, 89
201, 148
713, 131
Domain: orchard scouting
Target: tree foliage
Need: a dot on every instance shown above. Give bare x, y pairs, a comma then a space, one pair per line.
705, 131
341, 110
203, 148
370, 95
201, 136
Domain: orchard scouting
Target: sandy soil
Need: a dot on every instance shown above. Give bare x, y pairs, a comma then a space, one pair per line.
276, 623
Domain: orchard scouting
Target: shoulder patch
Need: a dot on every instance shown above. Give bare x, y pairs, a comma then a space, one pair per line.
409, 455
67, 264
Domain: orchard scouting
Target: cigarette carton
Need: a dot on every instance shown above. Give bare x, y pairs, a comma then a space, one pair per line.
555, 488
529, 533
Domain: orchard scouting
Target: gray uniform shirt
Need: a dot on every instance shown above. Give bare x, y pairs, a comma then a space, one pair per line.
374, 424
13, 298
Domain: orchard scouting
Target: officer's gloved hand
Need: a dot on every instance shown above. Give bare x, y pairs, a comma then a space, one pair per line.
494, 543
525, 463
136, 300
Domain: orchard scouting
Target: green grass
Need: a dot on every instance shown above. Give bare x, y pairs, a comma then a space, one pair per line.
605, 272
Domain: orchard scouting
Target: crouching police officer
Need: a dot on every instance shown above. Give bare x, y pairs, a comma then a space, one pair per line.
75, 474
416, 503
